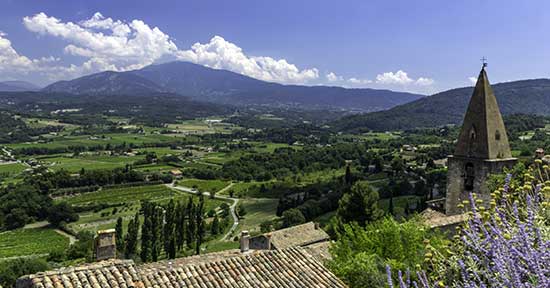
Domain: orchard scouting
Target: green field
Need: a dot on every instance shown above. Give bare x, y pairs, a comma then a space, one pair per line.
22, 242
74, 164
204, 185
113, 139
126, 194
257, 211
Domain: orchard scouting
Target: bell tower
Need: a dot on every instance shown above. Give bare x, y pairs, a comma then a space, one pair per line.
482, 148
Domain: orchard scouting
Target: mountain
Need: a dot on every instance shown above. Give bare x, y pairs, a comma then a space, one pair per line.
17, 86
106, 83
448, 107
225, 87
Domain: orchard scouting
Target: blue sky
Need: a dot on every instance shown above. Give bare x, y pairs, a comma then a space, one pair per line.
418, 46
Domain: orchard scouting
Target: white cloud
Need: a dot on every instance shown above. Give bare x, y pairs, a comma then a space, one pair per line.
424, 81
109, 44
472, 80
222, 54
399, 77
402, 78
356, 81
332, 77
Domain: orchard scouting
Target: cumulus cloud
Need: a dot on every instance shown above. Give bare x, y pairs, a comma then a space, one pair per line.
424, 81
402, 78
222, 54
332, 77
14, 65
472, 80
116, 45
399, 77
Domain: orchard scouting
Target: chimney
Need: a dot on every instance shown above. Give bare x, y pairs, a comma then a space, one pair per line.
245, 239
316, 225
105, 244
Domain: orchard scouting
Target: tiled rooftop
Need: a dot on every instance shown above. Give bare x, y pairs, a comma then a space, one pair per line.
299, 235
291, 267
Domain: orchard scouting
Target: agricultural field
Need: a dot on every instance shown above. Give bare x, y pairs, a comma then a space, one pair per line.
88, 140
11, 169
126, 202
257, 210
88, 162
33, 241
204, 185
202, 126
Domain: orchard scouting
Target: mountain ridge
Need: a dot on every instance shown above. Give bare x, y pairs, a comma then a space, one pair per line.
17, 86
225, 87
530, 96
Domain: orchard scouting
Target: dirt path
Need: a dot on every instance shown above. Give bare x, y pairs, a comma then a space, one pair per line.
216, 196
72, 239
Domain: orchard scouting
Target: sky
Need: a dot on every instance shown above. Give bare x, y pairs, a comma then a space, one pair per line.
415, 46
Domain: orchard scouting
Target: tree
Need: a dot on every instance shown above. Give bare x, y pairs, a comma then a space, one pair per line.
266, 226
360, 254
199, 217
180, 225
241, 211
390, 207
11, 270
119, 235
348, 178
191, 227
359, 205
131, 237
293, 217
169, 225
215, 227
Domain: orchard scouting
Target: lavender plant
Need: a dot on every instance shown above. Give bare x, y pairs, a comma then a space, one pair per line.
504, 245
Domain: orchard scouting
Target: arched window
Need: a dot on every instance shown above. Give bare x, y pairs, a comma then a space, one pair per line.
469, 177
497, 135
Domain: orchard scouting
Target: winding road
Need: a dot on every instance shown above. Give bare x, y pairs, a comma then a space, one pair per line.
216, 196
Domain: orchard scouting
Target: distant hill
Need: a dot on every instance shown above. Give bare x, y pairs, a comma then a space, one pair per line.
526, 97
225, 87
106, 83
17, 86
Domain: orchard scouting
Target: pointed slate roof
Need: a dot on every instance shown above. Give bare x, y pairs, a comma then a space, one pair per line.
483, 134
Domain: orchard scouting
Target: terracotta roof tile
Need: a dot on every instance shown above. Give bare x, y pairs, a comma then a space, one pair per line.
292, 267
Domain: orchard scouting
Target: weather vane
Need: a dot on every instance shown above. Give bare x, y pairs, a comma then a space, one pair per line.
484, 61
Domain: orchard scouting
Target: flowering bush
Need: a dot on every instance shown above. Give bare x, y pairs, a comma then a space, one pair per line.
504, 244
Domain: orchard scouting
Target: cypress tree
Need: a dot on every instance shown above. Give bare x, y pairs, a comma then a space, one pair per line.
146, 237
215, 228
131, 237
199, 216
169, 225
180, 225
119, 235
191, 230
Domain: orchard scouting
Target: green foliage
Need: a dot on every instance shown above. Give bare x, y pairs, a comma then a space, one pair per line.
22, 242
293, 217
61, 212
359, 205
11, 270
360, 254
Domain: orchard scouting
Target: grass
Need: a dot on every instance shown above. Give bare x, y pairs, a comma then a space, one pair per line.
23, 242
204, 185
257, 211
216, 246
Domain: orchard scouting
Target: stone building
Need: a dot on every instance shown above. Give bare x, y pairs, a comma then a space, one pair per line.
482, 148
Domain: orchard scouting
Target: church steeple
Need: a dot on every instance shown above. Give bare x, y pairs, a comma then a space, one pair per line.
483, 135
